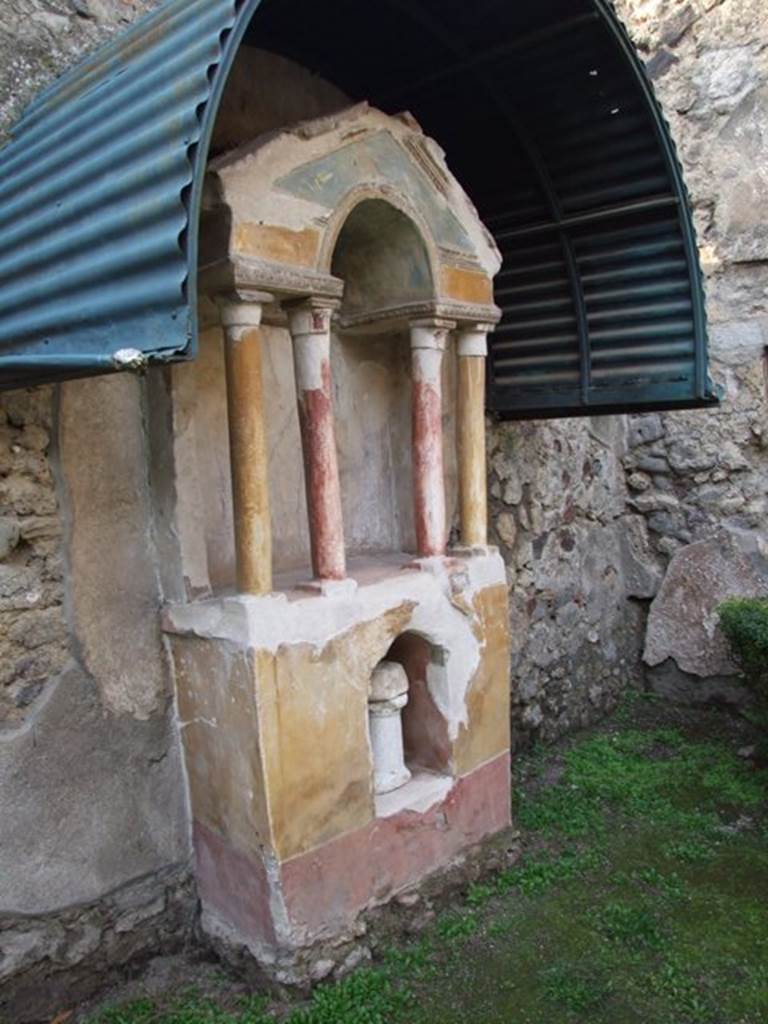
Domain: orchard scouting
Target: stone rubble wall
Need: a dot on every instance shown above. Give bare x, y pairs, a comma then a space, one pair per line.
47, 958
41, 39
33, 632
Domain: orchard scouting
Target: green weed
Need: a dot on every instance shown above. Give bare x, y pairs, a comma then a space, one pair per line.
670, 885
188, 1008
366, 997
536, 875
452, 925
575, 988
692, 851
624, 922
478, 895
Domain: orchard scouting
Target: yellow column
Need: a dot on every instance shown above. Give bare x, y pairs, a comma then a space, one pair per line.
247, 446
473, 493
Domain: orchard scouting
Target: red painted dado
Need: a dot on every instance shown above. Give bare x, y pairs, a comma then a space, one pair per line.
326, 888
233, 886
428, 486
330, 885
322, 479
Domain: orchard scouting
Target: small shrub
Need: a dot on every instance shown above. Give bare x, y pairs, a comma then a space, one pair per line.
744, 621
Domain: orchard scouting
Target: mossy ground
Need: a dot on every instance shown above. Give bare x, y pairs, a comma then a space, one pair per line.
642, 896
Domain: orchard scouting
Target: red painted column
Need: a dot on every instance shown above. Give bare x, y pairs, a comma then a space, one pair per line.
428, 341
310, 325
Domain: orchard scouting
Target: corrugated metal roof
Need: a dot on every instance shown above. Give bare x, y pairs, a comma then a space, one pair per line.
99, 190
546, 114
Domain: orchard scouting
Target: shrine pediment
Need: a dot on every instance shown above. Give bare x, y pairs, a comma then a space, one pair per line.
292, 200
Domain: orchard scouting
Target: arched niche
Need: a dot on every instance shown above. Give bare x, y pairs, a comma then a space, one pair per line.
383, 258
425, 731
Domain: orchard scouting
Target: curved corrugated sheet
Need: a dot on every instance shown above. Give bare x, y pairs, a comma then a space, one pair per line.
98, 193
546, 115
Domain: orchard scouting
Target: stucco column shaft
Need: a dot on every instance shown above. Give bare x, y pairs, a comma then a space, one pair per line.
428, 340
310, 324
248, 447
473, 495
386, 728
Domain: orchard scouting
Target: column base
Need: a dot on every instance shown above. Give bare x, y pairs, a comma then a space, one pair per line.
330, 588
473, 550
386, 782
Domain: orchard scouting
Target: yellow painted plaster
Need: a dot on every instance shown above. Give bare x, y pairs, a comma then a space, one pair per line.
465, 285
487, 733
281, 245
220, 732
313, 713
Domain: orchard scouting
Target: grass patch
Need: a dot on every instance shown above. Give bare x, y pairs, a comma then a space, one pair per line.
623, 922
641, 899
188, 1008
575, 987
366, 997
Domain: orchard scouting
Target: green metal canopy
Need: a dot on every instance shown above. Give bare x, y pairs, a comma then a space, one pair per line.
547, 117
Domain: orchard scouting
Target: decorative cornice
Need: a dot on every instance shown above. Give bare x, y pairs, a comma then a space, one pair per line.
398, 318
280, 279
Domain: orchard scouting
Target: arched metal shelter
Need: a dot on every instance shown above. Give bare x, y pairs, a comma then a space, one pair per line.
546, 115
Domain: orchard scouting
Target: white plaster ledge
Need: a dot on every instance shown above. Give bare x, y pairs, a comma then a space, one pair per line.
269, 622
424, 790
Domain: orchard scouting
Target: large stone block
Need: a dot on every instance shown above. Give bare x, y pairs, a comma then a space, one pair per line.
683, 622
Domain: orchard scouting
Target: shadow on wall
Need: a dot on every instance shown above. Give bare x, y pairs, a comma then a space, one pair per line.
425, 731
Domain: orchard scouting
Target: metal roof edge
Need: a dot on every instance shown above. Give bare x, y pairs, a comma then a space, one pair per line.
705, 392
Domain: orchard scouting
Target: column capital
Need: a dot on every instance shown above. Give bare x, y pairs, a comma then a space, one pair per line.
242, 310
431, 333
384, 708
473, 338
310, 314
